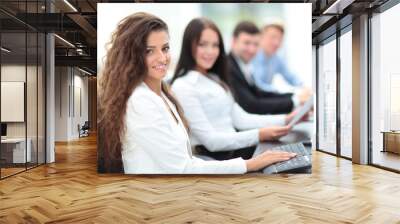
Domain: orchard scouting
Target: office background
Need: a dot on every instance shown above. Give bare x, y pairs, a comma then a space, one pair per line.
296, 18
338, 191
22, 107
24, 49
44, 96
358, 62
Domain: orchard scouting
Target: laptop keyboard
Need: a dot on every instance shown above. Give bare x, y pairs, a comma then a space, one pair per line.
302, 160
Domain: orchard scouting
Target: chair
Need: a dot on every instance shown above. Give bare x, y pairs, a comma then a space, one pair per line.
84, 130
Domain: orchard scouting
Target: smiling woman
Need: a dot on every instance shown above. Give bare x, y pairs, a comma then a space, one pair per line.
129, 66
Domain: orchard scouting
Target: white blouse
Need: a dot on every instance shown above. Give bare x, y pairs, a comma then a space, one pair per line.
214, 116
154, 143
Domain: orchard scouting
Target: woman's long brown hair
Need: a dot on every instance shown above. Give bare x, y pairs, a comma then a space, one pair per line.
124, 70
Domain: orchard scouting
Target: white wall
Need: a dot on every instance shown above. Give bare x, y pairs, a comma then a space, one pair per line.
12, 73
61, 103
68, 82
80, 83
33, 127
298, 40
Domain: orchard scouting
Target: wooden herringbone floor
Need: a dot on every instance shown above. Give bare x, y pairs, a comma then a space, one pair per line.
71, 191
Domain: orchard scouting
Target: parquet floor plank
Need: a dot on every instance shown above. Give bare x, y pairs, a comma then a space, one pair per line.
71, 191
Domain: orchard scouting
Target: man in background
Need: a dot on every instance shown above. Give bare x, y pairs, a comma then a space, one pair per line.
268, 64
245, 45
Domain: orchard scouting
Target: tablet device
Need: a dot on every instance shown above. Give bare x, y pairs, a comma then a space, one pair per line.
307, 106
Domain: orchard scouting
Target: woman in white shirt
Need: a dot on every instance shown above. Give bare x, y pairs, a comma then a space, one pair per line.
199, 84
141, 124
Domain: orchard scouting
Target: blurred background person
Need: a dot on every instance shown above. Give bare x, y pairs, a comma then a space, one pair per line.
268, 64
244, 47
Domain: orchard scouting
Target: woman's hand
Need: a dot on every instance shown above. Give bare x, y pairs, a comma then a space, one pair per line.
273, 133
267, 158
292, 114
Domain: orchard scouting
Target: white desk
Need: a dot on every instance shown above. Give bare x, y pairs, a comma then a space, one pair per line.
18, 150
